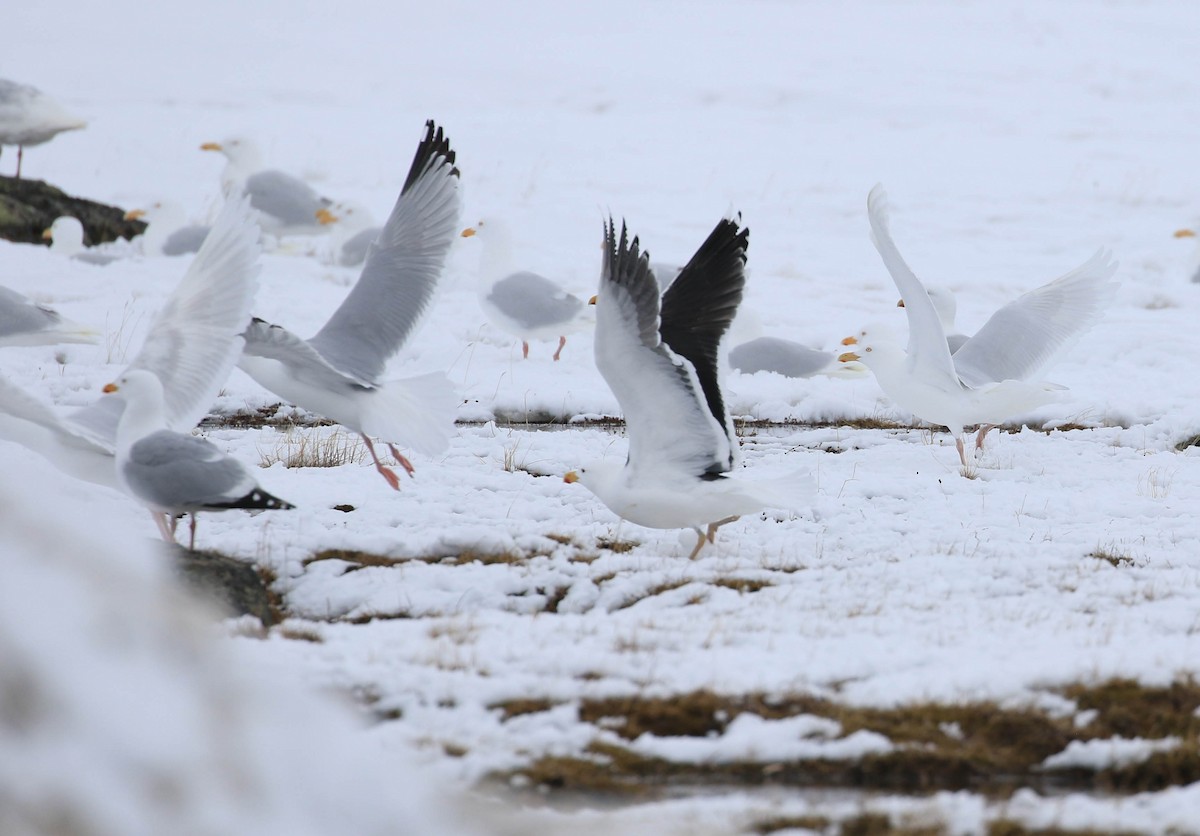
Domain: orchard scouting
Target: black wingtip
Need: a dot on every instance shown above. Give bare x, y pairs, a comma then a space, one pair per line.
623, 258
433, 151
258, 499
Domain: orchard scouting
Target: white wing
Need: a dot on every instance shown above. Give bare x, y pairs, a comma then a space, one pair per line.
1026, 335
668, 424
32, 424
928, 354
195, 340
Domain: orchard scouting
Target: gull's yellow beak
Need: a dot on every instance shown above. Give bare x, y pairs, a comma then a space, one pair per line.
211, 146
467, 233
109, 388
850, 341
47, 235
1185, 233
325, 217
900, 304
135, 214
571, 476
592, 301
848, 357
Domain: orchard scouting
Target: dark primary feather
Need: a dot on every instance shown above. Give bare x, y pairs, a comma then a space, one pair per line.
435, 145
699, 306
257, 498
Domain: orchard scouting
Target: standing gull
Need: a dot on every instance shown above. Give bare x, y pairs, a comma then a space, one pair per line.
66, 238
527, 305
22, 322
790, 359
30, 117
991, 377
660, 360
191, 347
286, 205
337, 372
168, 231
172, 473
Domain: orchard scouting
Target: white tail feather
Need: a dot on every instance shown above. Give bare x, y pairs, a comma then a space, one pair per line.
414, 412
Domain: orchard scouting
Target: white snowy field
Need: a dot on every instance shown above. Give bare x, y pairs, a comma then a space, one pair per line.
1015, 140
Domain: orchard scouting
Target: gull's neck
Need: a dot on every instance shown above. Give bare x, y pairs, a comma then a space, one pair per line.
141, 417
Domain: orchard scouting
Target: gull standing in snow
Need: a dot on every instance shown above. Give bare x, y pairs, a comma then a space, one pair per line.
790, 359
337, 372
168, 231
22, 322
659, 357
172, 473
991, 377
527, 305
286, 205
66, 238
30, 117
191, 348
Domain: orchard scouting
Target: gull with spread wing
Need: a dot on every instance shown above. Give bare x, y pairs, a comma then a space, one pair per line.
660, 358
992, 376
337, 372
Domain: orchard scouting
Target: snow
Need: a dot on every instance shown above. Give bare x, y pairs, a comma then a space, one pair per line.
1113, 753
1014, 139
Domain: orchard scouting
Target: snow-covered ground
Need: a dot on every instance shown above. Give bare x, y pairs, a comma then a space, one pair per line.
1015, 140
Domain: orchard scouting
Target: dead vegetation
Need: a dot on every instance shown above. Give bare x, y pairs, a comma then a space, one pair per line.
980, 746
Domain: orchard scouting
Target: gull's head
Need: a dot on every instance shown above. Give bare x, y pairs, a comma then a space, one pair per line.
65, 235
603, 478
238, 150
943, 302
871, 346
136, 385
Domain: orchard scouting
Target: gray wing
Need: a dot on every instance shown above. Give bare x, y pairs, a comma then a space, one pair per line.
181, 472
185, 240
284, 197
303, 362
403, 267
772, 354
669, 425
534, 301
22, 322
193, 343
1026, 335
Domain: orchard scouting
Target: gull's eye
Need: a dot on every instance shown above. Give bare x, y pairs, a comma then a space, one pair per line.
869, 349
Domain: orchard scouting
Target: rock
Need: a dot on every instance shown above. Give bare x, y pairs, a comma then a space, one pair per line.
233, 584
28, 207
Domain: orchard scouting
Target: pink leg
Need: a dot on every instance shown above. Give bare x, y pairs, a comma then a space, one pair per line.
962, 453
20, 153
984, 429
561, 342
404, 463
386, 472
524, 350
167, 532
192, 539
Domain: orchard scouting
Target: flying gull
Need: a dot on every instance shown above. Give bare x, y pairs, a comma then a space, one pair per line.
992, 376
191, 347
659, 357
337, 372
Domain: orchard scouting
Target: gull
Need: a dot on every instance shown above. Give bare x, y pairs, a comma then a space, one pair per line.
992, 376
66, 238
191, 347
337, 372
286, 205
172, 473
168, 231
30, 117
23, 322
659, 357
790, 359
525, 304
